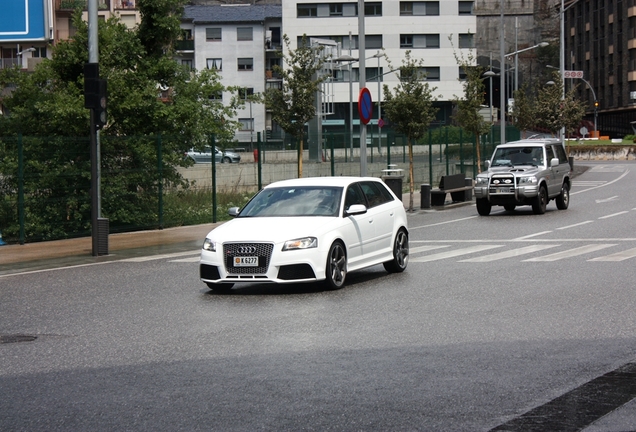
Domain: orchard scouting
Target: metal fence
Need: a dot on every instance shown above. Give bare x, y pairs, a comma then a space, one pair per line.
45, 182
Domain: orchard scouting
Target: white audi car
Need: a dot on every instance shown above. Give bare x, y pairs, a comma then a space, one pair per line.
307, 230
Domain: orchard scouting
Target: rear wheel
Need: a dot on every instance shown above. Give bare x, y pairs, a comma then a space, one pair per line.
563, 200
220, 287
336, 270
400, 253
541, 201
483, 206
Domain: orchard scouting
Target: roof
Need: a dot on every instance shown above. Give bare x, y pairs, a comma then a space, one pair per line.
203, 14
321, 181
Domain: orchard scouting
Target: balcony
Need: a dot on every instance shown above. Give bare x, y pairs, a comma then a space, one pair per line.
184, 45
125, 4
71, 5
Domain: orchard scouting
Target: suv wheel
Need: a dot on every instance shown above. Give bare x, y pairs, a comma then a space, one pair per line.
563, 200
483, 206
541, 201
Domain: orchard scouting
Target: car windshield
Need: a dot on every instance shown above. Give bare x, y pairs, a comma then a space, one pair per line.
512, 156
294, 201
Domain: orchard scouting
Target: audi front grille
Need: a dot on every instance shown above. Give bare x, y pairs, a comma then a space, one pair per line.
261, 250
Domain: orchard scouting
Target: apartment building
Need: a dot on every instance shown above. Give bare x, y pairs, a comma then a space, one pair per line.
239, 42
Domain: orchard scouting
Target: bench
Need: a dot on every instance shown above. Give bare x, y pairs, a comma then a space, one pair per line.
454, 184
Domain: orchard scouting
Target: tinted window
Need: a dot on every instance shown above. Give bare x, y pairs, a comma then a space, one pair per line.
560, 153
376, 193
354, 196
294, 201
549, 153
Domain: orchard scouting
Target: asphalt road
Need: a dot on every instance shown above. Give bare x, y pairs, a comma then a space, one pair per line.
512, 322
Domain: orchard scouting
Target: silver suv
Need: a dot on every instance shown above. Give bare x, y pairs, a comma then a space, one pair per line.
527, 172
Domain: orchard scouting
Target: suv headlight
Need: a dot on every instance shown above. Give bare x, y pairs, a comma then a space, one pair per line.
527, 180
480, 181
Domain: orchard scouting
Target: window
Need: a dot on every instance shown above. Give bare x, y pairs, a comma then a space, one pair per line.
431, 73
466, 40
245, 92
244, 33
466, 7
187, 63
419, 41
213, 34
373, 75
462, 73
306, 10
216, 96
245, 64
247, 124
372, 9
374, 193
373, 41
335, 9
419, 8
214, 63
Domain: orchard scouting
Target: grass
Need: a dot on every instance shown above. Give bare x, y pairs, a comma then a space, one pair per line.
194, 207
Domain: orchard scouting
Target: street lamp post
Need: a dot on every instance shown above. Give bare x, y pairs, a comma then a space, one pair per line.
378, 55
489, 74
516, 54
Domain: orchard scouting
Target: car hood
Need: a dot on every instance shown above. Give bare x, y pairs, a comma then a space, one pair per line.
518, 170
272, 229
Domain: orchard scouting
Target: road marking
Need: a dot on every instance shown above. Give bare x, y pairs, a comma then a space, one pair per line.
187, 260
575, 225
454, 253
587, 183
418, 249
158, 257
570, 253
604, 200
618, 256
443, 223
614, 214
533, 235
510, 254
602, 185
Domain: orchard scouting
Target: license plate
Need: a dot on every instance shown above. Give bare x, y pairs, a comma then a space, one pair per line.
246, 261
501, 190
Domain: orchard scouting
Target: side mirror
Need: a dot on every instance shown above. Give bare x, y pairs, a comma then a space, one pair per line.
356, 209
554, 162
233, 211
487, 164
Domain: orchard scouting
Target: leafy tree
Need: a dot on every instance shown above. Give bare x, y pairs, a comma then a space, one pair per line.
523, 115
48, 107
467, 113
553, 111
293, 105
410, 107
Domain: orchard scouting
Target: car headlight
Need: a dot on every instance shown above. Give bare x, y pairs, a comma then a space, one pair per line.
301, 243
526, 180
209, 245
481, 181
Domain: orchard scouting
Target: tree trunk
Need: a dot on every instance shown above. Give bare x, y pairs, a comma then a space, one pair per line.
300, 159
478, 153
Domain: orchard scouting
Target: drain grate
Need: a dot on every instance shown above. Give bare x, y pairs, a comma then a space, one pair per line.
16, 338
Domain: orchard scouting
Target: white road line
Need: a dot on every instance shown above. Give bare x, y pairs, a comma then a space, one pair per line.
454, 253
570, 253
509, 254
158, 257
533, 235
187, 260
414, 250
575, 225
614, 214
443, 223
603, 185
618, 256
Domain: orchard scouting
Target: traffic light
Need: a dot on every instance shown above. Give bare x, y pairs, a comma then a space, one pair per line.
595, 104
95, 93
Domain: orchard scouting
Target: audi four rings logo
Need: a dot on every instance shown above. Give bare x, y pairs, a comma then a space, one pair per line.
246, 249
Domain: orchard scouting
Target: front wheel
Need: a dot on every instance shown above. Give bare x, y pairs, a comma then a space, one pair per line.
226, 160
483, 206
400, 253
541, 201
336, 270
563, 200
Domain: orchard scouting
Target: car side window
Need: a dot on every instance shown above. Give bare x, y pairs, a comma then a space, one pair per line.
560, 152
354, 196
549, 153
374, 194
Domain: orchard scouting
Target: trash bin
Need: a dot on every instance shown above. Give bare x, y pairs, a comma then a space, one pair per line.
425, 196
393, 177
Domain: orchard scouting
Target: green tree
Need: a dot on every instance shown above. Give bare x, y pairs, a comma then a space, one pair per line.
553, 111
410, 107
293, 105
48, 107
467, 113
523, 111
